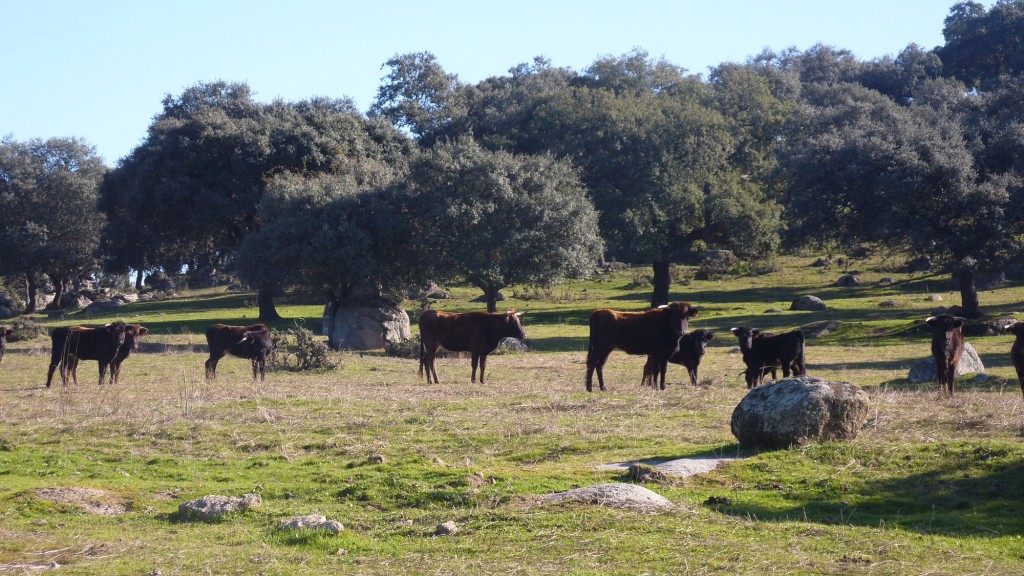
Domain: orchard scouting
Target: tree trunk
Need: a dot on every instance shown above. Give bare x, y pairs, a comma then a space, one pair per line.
968, 294
491, 294
58, 291
662, 281
138, 280
31, 293
265, 301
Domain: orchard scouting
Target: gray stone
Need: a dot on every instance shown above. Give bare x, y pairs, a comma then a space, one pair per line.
808, 303
822, 263
889, 304
214, 506
614, 495
9, 307
795, 411
679, 468
847, 281
126, 298
311, 522
773, 311
512, 345
820, 328
924, 369
72, 301
365, 327
886, 282
101, 306
448, 528
934, 298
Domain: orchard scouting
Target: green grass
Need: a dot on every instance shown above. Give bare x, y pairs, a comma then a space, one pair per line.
931, 485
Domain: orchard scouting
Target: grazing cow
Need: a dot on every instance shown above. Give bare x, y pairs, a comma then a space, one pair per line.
692, 347
252, 342
655, 333
132, 334
947, 347
763, 353
5, 333
475, 332
69, 345
1017, 351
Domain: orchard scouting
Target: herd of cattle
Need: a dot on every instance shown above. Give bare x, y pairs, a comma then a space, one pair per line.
662, 334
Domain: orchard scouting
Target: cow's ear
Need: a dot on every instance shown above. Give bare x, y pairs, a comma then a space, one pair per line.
692, 311
755, 332
958, 322
143, 331
710, 336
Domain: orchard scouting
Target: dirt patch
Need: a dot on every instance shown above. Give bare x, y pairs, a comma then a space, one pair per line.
92, 500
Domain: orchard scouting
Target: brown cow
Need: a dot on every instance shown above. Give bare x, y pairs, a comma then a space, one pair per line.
947, 347
475, 332
132, 334
69, 345
251, 342
5, 333
1017, 351
655, 333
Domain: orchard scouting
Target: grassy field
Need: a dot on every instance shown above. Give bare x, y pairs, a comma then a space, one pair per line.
930, 486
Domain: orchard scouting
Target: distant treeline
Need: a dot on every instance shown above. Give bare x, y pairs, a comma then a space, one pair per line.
534, 176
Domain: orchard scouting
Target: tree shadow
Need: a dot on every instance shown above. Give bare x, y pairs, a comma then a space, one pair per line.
970, 491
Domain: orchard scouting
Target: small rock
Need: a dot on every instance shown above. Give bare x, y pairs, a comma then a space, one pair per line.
934, 298
718, 501
808, 303
888, 304
822, 263
847, 281
615, 495
213, 506
312, 522
377, 459
773, 311
341, 552
446, 529
886, 282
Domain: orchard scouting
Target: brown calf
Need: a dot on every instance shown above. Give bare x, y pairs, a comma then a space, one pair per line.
655, 333
250, 342
69, 345
475, 332
947, 347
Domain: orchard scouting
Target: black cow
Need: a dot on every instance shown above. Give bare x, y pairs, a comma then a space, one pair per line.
5, 333
947, 347
655, 333
69, 345
692, 347
1017, 351
132, 334
251, 342
475, 332
763, 353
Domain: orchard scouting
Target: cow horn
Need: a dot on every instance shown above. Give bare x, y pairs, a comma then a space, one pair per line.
662, 306
734, 329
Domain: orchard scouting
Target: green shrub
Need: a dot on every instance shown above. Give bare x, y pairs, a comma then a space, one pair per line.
405, 349
305, 354
26, 329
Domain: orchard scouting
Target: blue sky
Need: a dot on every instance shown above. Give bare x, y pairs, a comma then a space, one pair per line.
99, 69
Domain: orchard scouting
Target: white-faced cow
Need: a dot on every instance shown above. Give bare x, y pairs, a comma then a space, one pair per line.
654, 333
69, 345
249, 342
475, 332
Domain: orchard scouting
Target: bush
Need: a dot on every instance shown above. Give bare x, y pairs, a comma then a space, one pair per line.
405, 349
26, 329
307, 353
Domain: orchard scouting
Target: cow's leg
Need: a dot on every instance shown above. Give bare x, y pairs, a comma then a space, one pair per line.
476, 359
103, 372
785, 369
211, 365
1020, 376
483, 363
662, 370
693, 375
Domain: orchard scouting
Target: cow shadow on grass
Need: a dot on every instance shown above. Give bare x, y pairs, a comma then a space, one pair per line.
970, 490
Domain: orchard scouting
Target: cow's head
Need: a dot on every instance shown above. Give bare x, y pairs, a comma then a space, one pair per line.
680, 314
1016, 328
137, 331
696, 342
117, 330
746, 336
945, 323
512, 327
